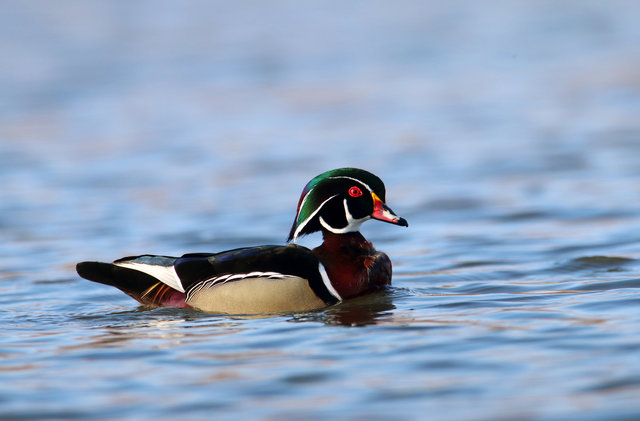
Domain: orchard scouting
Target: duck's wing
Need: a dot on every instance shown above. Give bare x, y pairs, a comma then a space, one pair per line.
265, 279
247, 280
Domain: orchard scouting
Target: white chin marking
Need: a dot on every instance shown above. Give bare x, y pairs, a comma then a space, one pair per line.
353, 224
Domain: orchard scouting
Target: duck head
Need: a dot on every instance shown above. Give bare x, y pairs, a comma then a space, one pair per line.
339, 201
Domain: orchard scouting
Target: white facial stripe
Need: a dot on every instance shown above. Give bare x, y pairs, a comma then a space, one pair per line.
305, 198
354, 179
330, 228
327, 282
310, 217
350, 219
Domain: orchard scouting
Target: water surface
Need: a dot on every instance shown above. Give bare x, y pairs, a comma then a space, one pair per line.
507, 134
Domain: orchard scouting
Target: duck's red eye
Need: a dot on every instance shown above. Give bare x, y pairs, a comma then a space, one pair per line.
355, 192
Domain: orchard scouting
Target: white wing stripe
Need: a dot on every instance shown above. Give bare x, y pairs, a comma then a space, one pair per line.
165, 274
207, 283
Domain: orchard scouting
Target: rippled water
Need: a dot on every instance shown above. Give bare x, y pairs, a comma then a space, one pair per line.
507, 133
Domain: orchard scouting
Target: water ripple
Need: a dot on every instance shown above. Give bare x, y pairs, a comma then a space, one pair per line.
506, 133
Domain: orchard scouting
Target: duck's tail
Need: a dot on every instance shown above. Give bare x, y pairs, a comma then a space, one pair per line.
139, 285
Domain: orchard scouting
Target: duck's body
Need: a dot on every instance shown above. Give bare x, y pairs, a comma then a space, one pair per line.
272, 279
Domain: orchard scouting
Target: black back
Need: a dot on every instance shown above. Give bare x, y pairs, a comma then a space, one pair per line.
288, 260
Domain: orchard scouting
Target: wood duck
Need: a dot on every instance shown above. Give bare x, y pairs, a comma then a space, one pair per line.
272, 278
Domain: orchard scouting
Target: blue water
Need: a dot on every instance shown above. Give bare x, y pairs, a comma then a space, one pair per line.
507, 133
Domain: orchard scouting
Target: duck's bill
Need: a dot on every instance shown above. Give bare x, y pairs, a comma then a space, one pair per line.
382, 212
